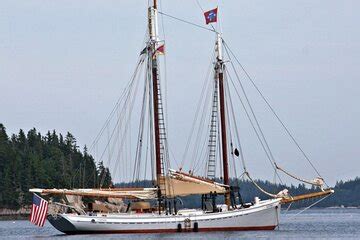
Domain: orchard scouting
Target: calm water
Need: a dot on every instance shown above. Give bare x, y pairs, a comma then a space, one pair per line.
319, 224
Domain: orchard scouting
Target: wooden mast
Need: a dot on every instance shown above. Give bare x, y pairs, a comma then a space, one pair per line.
155, 91
219, 69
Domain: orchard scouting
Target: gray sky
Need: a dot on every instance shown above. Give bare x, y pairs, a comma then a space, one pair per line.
64, 63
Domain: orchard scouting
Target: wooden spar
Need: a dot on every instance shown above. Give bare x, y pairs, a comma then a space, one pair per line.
155, 91
223, 135
219, 67
119, 189
195, 177
286, 200
156, 118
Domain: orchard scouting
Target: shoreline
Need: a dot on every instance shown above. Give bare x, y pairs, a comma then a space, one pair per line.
14, 217
11, 214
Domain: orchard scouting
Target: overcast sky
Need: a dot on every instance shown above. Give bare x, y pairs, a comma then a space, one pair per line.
63, 64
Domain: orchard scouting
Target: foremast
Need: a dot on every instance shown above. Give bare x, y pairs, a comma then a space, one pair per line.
219, 77
159, 134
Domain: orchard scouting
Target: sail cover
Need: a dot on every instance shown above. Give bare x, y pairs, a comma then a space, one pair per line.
183, 184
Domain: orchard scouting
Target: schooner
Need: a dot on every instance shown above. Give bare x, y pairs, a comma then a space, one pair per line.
156, 209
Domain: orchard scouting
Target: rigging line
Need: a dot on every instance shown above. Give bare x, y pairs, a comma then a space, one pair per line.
211, 150
235, 125
195, 156
109, 152
318, 183
251, 110
146, 151
140, 136
147, 128
288, 208
116, 104
253, 126
116, 140
227, 96
308, 207
129, 98
219, 154
151, 122
97, 138
126, 132
118, 121
260, 188
200, 141
190, 23
273, 111
199, 104
204, 160
201, 127
200, 155
165, 71
166, 129
198, 3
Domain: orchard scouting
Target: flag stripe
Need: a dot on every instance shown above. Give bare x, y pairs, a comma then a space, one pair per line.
41, 213
32, 215
45, 213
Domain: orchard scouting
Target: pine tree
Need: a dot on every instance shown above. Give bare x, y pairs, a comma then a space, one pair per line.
31, 160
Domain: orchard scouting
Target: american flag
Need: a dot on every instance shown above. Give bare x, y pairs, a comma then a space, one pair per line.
38, 211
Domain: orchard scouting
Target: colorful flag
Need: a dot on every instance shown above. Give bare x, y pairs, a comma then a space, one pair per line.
161, 49
38, 211
211, 16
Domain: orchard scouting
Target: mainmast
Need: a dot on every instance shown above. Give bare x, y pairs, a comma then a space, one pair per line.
153, 32
219, 74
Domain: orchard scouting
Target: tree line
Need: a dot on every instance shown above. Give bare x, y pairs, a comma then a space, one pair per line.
52, 161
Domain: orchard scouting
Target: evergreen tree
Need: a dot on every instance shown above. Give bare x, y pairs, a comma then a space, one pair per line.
31, 160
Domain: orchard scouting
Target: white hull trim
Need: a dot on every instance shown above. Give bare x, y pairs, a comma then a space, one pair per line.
261, 216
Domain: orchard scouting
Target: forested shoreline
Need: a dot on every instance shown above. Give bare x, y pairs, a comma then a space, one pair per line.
29, 160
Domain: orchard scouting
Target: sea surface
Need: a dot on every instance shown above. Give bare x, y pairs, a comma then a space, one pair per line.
311, 224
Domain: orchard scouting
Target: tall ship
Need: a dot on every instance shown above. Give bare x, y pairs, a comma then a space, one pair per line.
215, 138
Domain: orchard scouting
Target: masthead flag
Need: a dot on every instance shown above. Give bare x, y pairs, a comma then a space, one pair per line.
211, 16
39, 211
161, 49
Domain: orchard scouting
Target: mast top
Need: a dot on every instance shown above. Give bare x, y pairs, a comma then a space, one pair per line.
219, 47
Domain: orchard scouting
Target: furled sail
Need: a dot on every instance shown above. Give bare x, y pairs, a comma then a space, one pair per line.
183, 184
176, 184
137, 193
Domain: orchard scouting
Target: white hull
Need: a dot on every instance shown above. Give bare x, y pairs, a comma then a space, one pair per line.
261, 216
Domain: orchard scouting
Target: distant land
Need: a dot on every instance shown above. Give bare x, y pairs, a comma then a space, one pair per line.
55, 161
